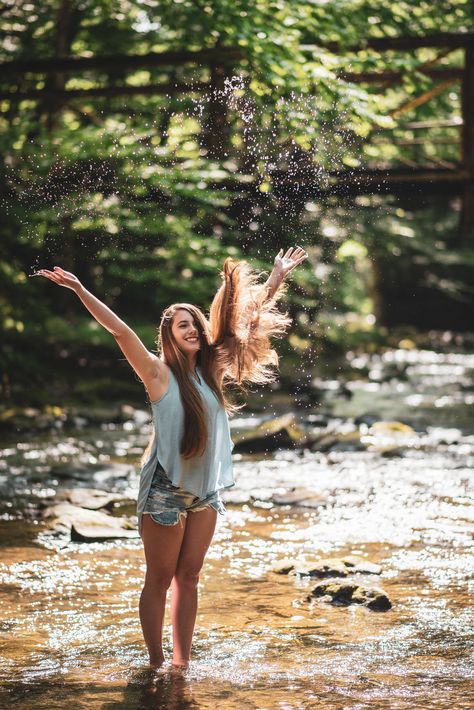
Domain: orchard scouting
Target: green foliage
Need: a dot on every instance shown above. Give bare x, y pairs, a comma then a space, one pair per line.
143, 196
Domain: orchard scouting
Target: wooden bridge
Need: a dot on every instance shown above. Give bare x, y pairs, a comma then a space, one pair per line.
432, 174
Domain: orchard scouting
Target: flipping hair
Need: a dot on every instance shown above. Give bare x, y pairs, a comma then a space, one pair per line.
243, 320
235, 346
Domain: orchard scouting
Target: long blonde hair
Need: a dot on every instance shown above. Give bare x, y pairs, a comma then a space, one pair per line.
235, 346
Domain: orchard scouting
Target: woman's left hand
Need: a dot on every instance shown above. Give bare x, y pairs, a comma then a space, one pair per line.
284, 263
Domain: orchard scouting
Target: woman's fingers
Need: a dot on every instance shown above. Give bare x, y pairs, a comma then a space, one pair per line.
44, 272
297, 257
292, 253
53, 276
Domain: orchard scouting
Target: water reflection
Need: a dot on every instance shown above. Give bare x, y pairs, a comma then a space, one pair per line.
165, 690
399, 496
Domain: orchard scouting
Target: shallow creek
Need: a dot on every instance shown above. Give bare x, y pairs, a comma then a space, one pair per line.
399, 498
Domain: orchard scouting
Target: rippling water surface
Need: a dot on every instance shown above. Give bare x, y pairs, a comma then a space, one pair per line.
403, 499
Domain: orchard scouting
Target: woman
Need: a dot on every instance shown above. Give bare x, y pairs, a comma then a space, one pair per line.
188, 459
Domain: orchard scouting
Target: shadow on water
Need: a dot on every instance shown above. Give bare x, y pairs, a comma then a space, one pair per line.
157, 690
145, 689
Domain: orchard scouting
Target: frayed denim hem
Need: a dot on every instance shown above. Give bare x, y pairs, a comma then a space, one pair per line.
168, 517
218, 506
173, 517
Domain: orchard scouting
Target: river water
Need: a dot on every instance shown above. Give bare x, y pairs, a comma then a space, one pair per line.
397, 496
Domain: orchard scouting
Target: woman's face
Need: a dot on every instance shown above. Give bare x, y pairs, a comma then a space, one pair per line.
185, 332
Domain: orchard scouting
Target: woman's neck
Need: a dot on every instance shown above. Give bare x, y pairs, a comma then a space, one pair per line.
193, 362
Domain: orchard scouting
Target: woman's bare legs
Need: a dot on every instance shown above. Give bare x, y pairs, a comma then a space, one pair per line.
162, 545
198, 534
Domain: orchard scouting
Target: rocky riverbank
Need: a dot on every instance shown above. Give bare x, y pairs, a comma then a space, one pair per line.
340, 574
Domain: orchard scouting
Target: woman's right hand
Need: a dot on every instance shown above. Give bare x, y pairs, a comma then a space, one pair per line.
61, 278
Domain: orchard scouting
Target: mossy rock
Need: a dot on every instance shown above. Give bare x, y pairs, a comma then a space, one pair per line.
345, 593
279, 433
391, 428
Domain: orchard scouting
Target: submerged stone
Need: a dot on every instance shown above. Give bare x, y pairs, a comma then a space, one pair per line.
345, 593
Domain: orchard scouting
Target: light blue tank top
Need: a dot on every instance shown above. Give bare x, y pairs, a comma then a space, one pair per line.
201, 475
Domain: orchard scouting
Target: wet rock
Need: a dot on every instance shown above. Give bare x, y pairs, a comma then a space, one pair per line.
91, 498
345, 593
279, 433
390, 438
103, 414
78, 470
326, 568
283, 566
390, 428
31, 418
87, 525
333, 441
393, 452
97, 532
299, 496
331, 567
359, 566
54, 417
74, 469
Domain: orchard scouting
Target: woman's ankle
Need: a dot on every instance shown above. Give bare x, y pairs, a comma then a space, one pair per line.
157, 661
180, 662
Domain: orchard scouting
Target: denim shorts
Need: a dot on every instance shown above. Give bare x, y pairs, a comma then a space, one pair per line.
167, 504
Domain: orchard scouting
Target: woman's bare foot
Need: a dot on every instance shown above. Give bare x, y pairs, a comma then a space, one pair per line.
180, 664
156, 663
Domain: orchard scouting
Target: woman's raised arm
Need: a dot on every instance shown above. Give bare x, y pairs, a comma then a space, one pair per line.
148, 366
244, 318
283, 264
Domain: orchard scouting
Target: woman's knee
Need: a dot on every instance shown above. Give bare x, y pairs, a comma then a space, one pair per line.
160, 581
187, 577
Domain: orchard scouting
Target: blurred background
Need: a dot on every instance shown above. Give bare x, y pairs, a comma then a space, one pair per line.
143, 141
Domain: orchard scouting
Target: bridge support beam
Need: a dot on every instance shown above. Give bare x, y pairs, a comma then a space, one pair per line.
466, 227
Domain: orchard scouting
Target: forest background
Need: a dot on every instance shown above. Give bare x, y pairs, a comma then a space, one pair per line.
252, 133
